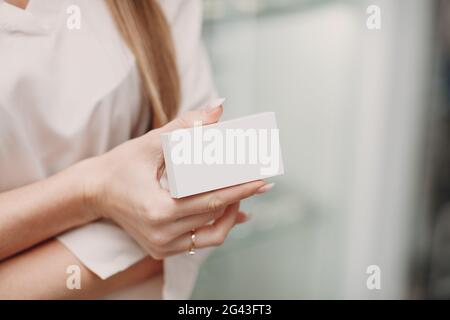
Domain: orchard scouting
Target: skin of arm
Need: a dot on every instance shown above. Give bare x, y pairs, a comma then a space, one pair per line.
40, 273
41, 210
37, 212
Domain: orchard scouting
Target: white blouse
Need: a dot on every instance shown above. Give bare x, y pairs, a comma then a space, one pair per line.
69, 94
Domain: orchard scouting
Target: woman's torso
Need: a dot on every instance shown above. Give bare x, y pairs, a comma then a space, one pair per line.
66, 94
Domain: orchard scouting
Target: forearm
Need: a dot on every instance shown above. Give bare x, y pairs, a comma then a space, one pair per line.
40, 273
39, 211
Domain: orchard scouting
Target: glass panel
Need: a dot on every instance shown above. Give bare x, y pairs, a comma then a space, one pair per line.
270, 62
304, 60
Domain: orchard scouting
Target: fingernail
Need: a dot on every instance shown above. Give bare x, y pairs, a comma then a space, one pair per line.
215, 105
265, 188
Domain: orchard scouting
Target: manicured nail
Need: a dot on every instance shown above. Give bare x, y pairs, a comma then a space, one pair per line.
215, 105
265, 188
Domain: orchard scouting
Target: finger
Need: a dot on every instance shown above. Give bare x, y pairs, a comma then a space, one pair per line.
152, 139
242, 217
207, 115
207, 236
186, 224
217, 199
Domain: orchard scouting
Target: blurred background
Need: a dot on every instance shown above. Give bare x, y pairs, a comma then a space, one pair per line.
365, 136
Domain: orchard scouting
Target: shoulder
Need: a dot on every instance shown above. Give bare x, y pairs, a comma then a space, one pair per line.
185, 20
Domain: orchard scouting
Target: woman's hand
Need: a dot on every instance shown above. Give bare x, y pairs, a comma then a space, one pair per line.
124, 186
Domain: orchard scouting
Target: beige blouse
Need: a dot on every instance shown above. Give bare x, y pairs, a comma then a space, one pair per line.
69, 94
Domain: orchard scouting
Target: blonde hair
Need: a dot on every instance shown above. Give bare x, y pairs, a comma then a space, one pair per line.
147, 33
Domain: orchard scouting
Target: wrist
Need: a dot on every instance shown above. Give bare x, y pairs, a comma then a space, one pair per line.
87, 190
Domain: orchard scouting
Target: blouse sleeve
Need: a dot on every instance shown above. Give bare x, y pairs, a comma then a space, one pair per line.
102, 246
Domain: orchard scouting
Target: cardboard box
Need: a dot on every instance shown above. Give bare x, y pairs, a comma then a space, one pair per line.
205, 158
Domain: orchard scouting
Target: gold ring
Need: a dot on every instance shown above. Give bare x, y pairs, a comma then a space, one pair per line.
192, 248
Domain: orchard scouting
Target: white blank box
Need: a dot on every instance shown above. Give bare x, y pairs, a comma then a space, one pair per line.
194, 168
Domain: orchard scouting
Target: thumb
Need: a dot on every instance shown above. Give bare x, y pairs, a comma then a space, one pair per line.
208, 115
